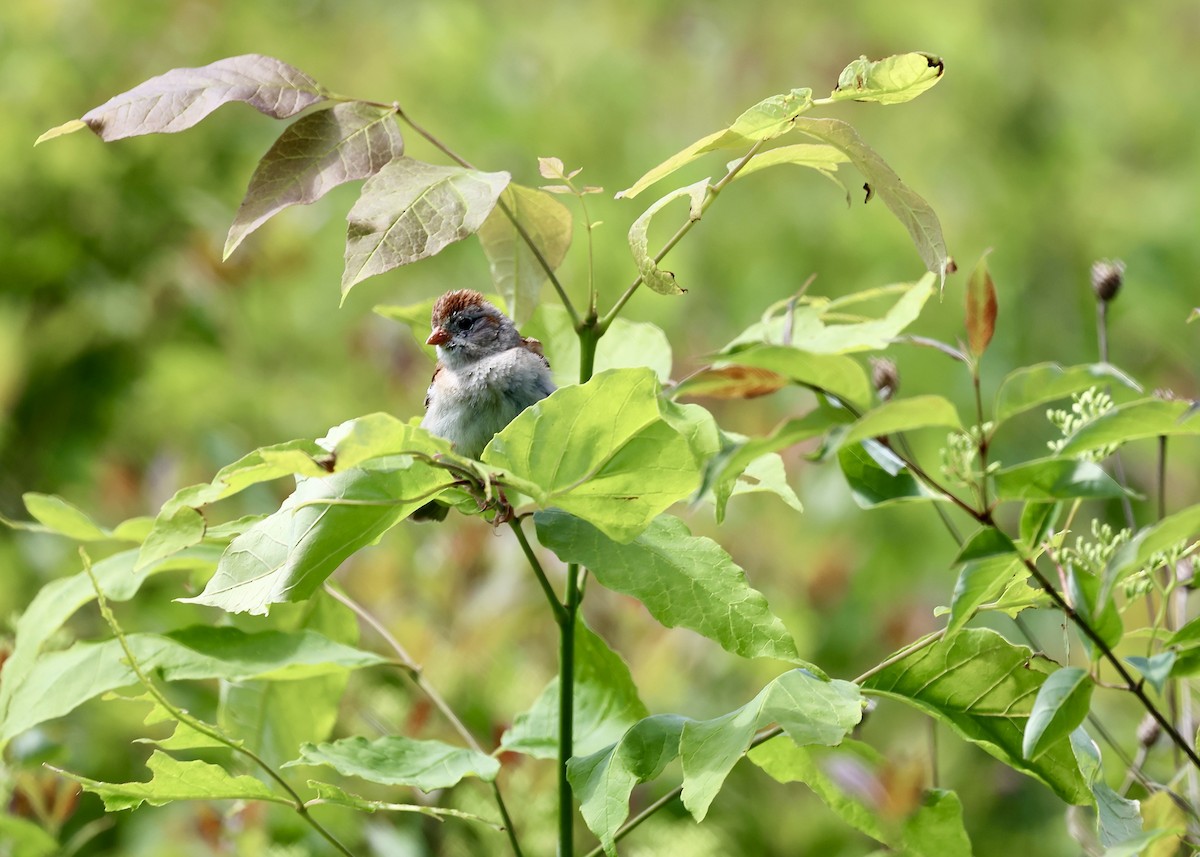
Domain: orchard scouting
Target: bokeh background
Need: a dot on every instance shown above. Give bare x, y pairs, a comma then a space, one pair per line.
133, 361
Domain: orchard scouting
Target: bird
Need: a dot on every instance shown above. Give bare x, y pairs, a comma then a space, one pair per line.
486, 374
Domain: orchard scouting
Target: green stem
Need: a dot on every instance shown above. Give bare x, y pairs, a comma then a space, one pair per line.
566, 714
560, 612
983, 438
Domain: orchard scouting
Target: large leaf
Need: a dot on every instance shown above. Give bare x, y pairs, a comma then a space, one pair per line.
1061, 705
516, 272
174, 780
182, 97
602, 451
1031, 386
983, 687
410, 210
627, 345
61, 681
289, 554
683, 580
810, 711
877, 476
901, 415
351, 140
1134, 421
653, 276
1055, 479
892, 80
835, 374
394, 760
606, 703
910, 208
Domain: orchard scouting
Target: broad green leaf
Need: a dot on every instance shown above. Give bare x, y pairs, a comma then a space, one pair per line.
410, 210
603, 781
653, 276
627, 345
835, 374
331, 794
291, 552
983, 687
1037, 522
1137, 552
59, 516
820, 325
891, 80
1134, 421
786, 762
981, 308
22, 838
173, 532
683, 580
606, 704
184, 736
1031, 386
516, 272
809, 710
601, 451
764, 121
394, 760
374, 436
61, 681
1155, 669
1118, 819
1095, 606
1050, 479
697, 425
915, 213
988, 563
936, 829
174, 780
182, 97
1138, 844
901, 415
876, 476
1061, 705
320, 151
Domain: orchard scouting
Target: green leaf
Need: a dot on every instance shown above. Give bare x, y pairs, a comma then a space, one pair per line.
320, 151
831, 373
61, 681
764, 121
1037, 522
173, 532
606, 704
983, 687
1134, 421
1031, 386
877, 477
1095, 605
174, 780
653, 276
981, 308
1138, 844
627, 345
394, 760
601, 451
810, 710
892, 80
411, 210
1050, 479
603, 781
936, 828
989, 563
68, 127
59, 516
683, 580
907, 205
516, 272
331, 794
182, 97
23, 838
1117, 819
1062, 704
290, 553
816, 156
1156, 669
1138, 551
262, 465
764, 474
901, 415
358, 441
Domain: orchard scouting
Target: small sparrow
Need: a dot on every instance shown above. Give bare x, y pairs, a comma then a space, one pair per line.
486, 374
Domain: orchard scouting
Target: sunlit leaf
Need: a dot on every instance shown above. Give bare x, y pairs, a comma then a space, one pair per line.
901, 415
516, 272
173, 532
653, 276
394, 760
981, 308
892, 80
317, 153
1096, 607
683, 580
1061, 705
1031, 386
1051, 479
1134, 421
835, 374
410, 210
877, 477
815, 156
765, 474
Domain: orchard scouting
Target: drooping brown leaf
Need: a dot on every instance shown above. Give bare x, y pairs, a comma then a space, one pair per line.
731, 382
981, 308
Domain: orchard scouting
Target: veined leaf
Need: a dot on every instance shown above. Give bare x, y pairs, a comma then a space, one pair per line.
628, 345
877, 477
1061, 705
1049, 479
1031, 386
683, 580
653, 276
410, 210
983, 687
989, 562
171, 533
1038, 520
516, 272
1134, 421
1118, 819
835, 374
182, 97
318, 152
900, 415
981, 308
394, 760
892, 80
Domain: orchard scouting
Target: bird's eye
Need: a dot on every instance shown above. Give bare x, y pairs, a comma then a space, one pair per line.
462, 323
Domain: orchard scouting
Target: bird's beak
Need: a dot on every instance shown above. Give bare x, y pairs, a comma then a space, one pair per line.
440, 336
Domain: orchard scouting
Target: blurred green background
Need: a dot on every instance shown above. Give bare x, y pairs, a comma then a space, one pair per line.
133, 361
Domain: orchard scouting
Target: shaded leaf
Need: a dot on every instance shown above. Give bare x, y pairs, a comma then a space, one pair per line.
877, 477
1061, 705
318, 152
981, 308
394, 760
936, 828
892, 80
331, 794
1155, 669
730, 382
1117, 818
988, 563
182, 97
983, 687
834, 374
1031, 386
1096, 607
901, 415
627, 345
1037, 522
1134, 421
410, 210
653, 276
516, 272
683, 580
1138, 551
1050, 479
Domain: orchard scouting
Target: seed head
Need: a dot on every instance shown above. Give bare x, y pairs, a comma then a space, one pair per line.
885, 377
1148, 731
1107, 276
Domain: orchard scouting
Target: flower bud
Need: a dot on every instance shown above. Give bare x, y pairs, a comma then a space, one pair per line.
885, 377
1107, 276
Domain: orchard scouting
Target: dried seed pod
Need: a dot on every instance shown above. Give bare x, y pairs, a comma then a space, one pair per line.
885, 377
1148, 731
1107, 276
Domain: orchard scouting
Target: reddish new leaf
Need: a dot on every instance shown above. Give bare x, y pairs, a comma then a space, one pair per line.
731, 382
981, 308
